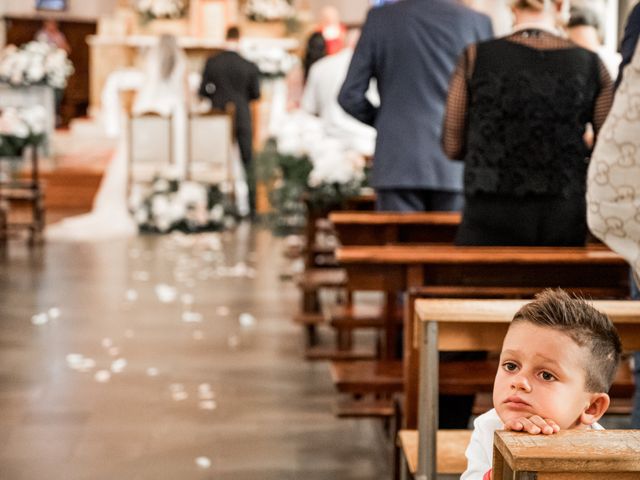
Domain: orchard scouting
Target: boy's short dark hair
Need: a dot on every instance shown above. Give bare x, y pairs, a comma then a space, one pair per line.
587, 327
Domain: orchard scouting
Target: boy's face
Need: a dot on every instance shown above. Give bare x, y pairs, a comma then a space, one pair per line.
541, 372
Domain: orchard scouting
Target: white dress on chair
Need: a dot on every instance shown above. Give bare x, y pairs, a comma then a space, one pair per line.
110, 217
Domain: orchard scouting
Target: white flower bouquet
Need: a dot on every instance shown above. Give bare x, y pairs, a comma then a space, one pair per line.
19, 128
152, 9
35, 63
268, 10
303, 163
169, 204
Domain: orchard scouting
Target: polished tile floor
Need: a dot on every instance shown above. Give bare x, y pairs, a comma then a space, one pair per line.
167, 357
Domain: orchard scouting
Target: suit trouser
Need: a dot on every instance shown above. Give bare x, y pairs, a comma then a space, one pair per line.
245, 142
417, 200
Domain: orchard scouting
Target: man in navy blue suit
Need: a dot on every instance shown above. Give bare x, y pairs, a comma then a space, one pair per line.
410, 48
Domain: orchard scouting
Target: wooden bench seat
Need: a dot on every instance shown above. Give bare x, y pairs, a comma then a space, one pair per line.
381, 228
377, 376
330, 352
380, 377
356, 315
316, 278
451, 447
364, 408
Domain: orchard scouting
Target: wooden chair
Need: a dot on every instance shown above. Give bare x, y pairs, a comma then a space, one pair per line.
149, 142
210, 147
23, 191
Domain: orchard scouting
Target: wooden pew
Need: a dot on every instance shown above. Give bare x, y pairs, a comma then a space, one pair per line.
458, 325
318, 273
447, 270
383, 228
572, 454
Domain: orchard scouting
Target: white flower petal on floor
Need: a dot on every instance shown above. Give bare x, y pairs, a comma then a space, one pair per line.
207, 404
106, 343
247, 320
102, 376
40, 319
166, 293
191, 317
203, 462
131, 295
80, 363
117, 366
179, 396
54, 312
152, 372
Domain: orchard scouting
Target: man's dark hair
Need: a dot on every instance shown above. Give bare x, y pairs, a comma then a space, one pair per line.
585, 325
233, 33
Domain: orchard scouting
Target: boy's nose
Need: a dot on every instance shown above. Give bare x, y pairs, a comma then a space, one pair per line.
520, 383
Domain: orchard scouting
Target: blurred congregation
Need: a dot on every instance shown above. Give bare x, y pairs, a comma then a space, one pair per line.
284, 239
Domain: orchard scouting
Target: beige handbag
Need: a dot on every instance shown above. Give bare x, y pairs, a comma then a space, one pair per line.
613, 180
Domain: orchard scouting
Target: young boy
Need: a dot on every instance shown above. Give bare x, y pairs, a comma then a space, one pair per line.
558, 360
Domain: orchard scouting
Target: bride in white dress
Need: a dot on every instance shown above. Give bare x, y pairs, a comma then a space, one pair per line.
163, 91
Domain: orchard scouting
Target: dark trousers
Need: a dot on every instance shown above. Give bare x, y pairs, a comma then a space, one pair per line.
490, 220
417, 200
245, 143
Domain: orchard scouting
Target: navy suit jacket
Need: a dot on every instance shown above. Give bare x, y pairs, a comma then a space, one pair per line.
410, 48
629, 40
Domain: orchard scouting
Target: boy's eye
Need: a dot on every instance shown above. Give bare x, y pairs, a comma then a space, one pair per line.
510, 366
547, 377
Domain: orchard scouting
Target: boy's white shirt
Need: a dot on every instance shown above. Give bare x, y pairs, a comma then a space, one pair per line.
479, 453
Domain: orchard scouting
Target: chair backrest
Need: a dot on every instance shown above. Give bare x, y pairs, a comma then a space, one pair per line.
210, 146
150, 146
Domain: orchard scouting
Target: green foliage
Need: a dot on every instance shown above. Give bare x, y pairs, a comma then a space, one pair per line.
291, 196
12, 146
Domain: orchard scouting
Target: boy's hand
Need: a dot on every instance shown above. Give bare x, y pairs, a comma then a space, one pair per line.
534, 424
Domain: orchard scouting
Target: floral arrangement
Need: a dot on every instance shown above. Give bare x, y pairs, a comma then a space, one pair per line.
19, 128
153, 9
303, 163
35, 63
169, 204
272, 62
268, 10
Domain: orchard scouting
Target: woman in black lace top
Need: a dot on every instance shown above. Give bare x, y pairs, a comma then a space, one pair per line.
516, 115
